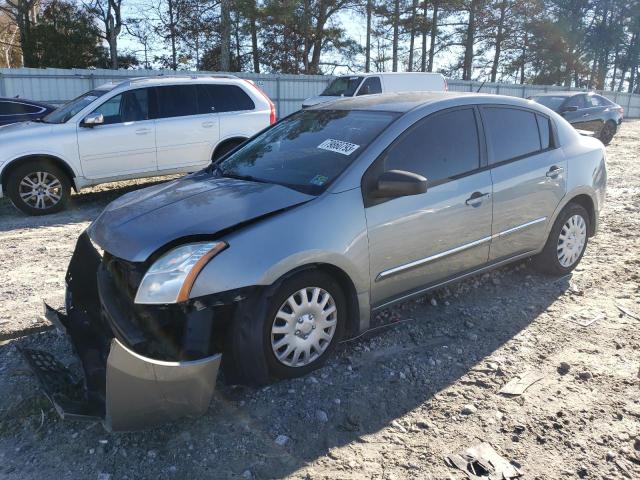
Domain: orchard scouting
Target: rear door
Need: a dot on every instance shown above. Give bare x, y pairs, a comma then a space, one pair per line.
236, 111
422, 239
529, 178
595, 108
125, 143
186, 132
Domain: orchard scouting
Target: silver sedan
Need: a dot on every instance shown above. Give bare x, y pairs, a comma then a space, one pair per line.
267, 259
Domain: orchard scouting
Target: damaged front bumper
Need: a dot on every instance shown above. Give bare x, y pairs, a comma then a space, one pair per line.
140, 368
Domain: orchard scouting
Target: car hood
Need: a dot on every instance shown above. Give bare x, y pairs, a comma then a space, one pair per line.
311, 101
16, 131
139, 223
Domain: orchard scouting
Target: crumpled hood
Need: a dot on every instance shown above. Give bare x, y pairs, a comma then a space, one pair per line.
139, 223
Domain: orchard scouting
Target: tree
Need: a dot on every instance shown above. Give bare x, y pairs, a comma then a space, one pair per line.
109, 13
66, 37
23, 14
10, 53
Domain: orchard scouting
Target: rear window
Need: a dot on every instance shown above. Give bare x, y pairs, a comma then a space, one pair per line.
550, 101
17, 108
511, 133
307, 150
223, 98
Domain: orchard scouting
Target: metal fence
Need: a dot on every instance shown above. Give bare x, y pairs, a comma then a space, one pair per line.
287, 91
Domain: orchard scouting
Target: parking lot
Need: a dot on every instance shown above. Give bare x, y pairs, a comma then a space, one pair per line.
388, 406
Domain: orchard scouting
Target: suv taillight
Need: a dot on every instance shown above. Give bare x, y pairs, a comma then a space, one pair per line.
272, 107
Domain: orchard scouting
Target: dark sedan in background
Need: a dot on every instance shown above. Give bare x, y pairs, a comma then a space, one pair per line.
14, 110
585, 111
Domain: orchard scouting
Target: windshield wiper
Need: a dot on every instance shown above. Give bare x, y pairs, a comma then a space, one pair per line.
248, 178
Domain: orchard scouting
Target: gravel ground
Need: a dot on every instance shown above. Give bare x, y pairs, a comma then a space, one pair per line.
388, 406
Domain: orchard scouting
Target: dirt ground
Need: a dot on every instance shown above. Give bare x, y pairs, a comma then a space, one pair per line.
389, 406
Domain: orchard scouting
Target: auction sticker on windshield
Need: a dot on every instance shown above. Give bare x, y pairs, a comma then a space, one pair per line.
338, 146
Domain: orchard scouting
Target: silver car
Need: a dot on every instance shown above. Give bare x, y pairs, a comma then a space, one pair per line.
289, 243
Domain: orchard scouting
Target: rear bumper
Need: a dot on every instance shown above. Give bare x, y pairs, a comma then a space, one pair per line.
122, 383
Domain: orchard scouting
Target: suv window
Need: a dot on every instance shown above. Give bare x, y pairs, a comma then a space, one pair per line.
130, 106
511, 133
176, 101
438, 147
223, 98
370, 86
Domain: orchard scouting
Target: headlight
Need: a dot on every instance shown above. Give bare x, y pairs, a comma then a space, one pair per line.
170, 278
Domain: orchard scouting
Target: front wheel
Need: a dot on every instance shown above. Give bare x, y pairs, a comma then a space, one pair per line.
38, 188
304, 323
567, 241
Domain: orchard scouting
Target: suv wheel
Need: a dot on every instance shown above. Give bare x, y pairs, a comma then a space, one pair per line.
38, 188
567, 241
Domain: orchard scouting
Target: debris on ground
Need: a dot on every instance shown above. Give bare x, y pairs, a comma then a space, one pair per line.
628, 312
518, 385
483, 462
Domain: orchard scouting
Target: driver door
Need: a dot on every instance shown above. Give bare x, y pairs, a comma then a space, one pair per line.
420, 240
125, 143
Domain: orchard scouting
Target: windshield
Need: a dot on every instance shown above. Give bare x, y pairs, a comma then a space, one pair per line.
346, 86
550, 101
307, 150
69, 109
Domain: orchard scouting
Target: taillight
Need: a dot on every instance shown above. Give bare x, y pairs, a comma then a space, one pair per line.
621, 110
272, 107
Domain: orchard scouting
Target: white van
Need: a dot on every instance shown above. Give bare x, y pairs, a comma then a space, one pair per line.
369, 83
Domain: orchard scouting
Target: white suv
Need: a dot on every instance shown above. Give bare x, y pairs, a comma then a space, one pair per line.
138, 128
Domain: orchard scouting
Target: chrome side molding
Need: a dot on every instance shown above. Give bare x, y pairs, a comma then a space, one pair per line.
416, 263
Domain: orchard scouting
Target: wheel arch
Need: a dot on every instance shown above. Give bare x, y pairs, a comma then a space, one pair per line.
57, 161
348, 288
236, 139
586, 202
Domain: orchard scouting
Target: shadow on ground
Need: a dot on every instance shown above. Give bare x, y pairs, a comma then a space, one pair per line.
372, 382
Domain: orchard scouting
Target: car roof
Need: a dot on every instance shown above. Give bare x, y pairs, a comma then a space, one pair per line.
562, 94
405, 101
174, 79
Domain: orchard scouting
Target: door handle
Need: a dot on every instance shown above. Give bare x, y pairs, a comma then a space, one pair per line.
554, 171
208, 124
476, 198
143, 131
586, 114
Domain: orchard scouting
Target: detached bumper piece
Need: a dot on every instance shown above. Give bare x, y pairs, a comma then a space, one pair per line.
131, 382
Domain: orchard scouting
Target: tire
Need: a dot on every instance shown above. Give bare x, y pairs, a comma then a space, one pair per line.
38, 187
562, 252
225, 148
607, 132
305, 325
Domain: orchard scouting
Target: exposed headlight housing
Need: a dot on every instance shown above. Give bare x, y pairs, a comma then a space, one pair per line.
171, 277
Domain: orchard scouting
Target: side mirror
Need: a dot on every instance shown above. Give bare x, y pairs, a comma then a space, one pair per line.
398, 183
92, 120
572, 108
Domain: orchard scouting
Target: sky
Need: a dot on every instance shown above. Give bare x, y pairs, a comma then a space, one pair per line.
353, 23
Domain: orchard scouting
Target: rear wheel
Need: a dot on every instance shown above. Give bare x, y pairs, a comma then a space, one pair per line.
38, 187
607, 132
225, 148
567, 241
